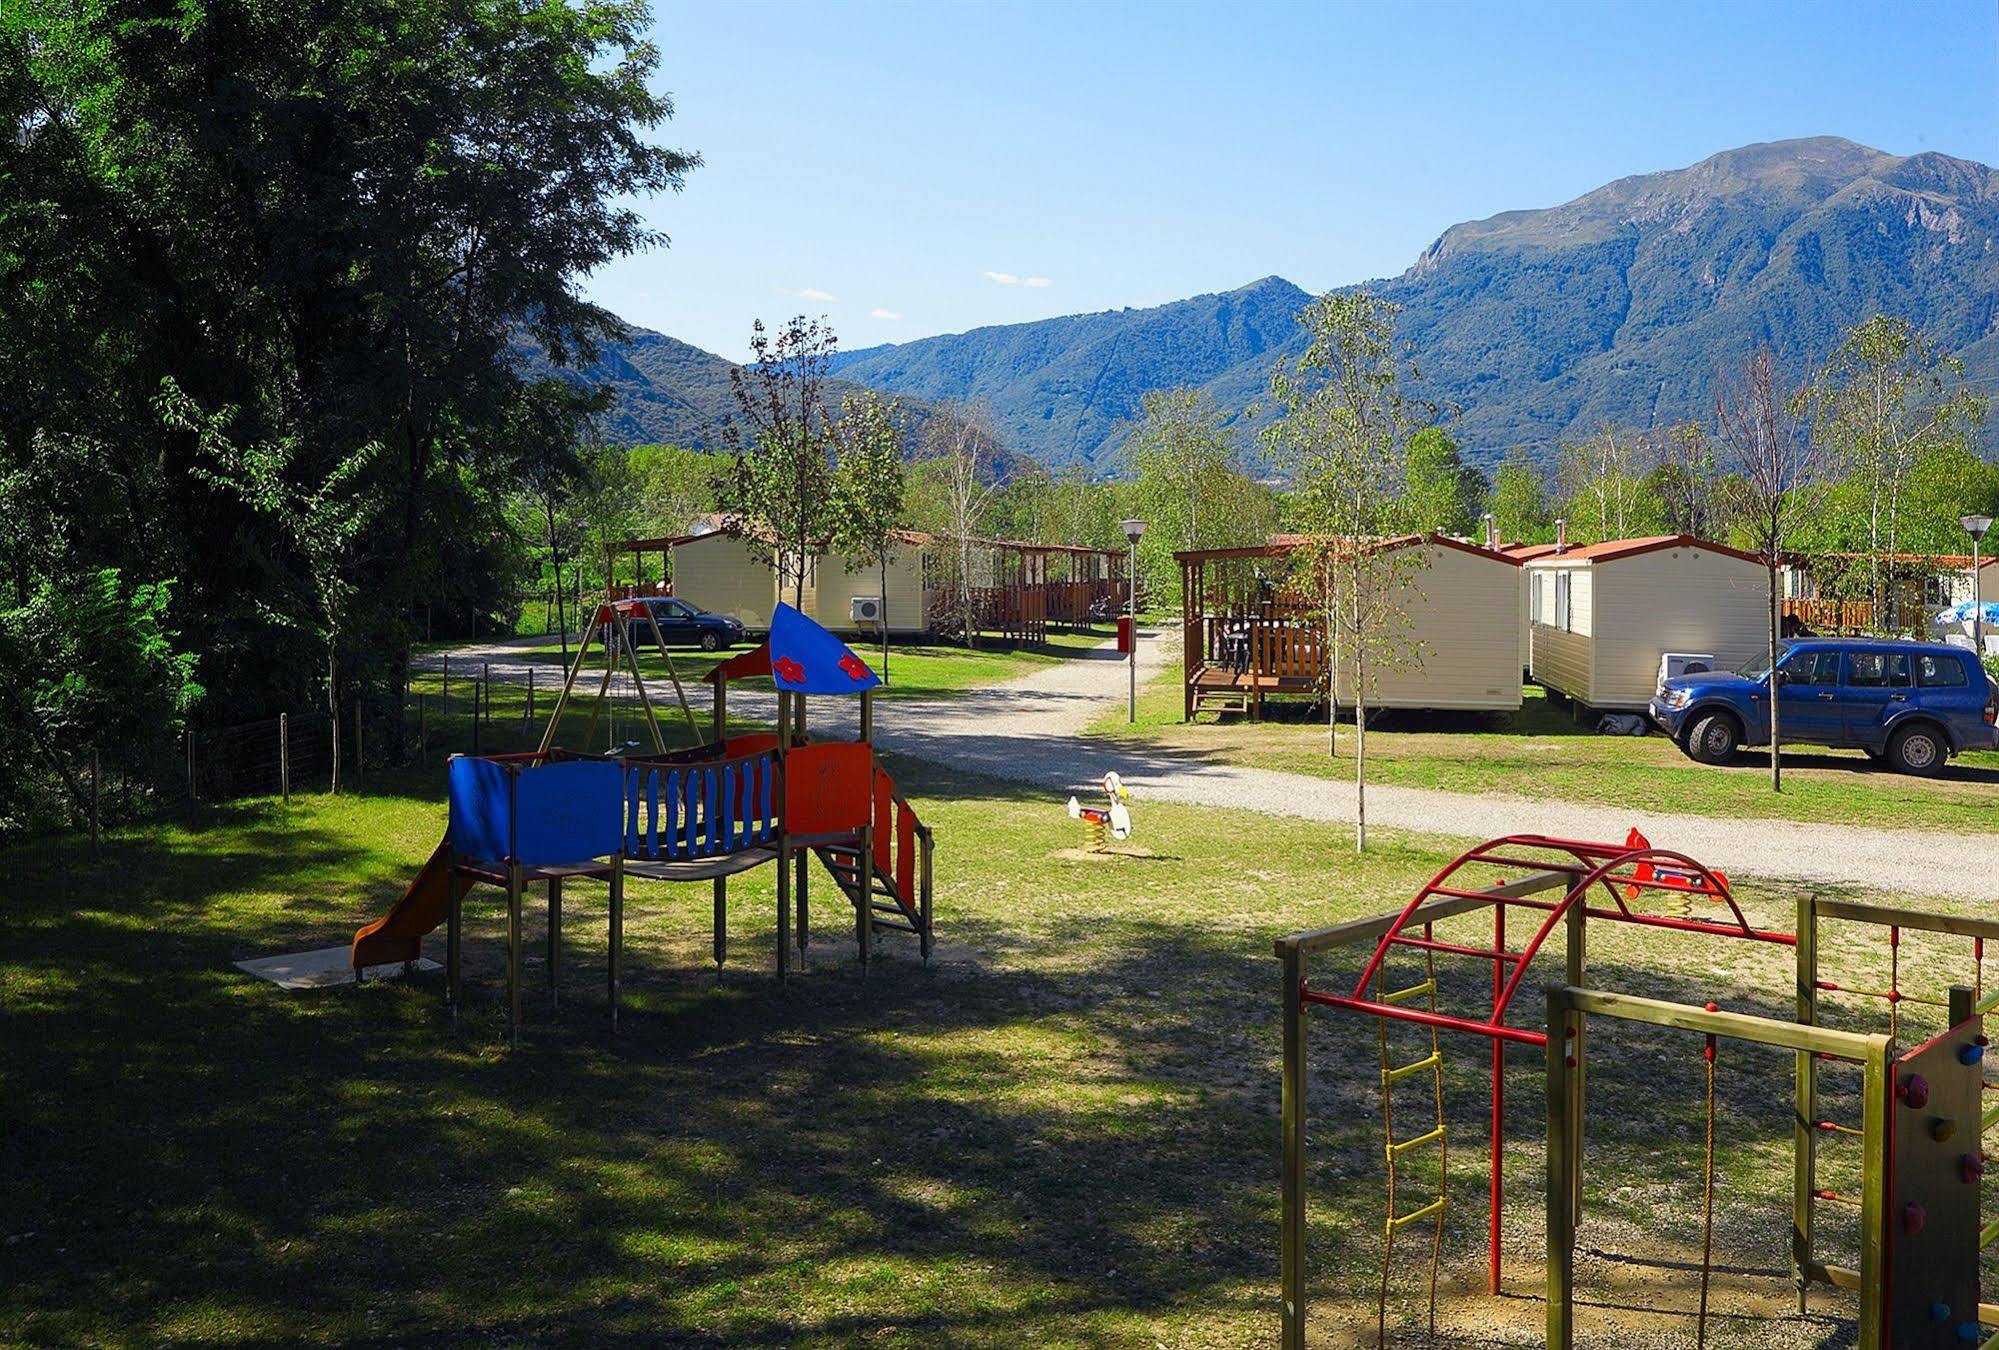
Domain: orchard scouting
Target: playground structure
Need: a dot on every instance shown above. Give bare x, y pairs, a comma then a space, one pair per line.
1113, 817
706, 813
1917, 1146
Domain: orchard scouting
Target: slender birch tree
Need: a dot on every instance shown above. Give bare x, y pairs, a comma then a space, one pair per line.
1343, 439
868, 491
783, 442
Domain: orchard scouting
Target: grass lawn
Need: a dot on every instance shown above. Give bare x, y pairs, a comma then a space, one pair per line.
1544, 753
1062, 1131
914, 671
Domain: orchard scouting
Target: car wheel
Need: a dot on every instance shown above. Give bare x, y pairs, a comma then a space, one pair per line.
1714, 739
711, 642
1919, 750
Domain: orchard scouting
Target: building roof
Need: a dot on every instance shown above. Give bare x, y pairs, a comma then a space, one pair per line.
1614, 550
1526, 551
1950, 561
1277, 545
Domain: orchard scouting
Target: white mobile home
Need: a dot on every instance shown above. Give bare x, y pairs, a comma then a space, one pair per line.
718, 572
1602, 615
1457, 650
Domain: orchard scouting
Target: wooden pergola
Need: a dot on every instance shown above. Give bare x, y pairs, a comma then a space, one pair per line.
1247, 628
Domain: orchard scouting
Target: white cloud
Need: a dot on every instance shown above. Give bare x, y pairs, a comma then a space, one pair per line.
880, 313
1009, 279
814, 293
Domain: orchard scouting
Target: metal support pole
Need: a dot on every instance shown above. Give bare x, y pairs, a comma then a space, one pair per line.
721, 924
617, 954
554, 942
514, 952
454, 942
527, 714
285, 757
1132, 663
358, 761
1292, 1257
1577, 962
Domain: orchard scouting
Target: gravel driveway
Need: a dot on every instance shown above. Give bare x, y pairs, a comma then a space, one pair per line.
1029, 731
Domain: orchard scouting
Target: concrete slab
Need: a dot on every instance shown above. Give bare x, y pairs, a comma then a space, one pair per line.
321, 969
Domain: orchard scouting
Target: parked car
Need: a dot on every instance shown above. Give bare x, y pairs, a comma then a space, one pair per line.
1913, 704
682, 625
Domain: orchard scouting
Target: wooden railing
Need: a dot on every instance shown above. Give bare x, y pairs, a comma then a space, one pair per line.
1272, 648
1839, 616
685, 811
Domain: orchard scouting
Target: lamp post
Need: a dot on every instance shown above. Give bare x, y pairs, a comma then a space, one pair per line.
1976, 526
1133, 529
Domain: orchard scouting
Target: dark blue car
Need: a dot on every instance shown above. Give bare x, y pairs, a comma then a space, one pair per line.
682, 625
1912, 704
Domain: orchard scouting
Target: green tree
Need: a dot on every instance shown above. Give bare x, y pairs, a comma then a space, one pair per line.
1520, 506
1188, 487
1885, 398
1443, 492
1602, 479
783, 441
868, 491
328, 244
1343, 440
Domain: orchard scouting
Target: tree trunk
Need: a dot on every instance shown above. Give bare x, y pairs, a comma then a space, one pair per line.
1359, 749
555, 561
333, 712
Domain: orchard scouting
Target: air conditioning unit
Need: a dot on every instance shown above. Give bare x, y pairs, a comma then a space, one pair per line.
867, 610
1672, 664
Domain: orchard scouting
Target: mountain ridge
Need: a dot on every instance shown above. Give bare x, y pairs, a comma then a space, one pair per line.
1617, 306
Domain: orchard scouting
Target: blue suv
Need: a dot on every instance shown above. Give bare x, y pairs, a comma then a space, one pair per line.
1912, 704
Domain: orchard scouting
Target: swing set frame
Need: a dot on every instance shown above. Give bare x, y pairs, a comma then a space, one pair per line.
1584, 871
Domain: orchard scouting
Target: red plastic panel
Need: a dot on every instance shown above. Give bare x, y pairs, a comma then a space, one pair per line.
884, 842
905, 856
826, 788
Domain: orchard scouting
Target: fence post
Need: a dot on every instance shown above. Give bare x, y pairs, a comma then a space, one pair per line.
192, 795
358, 770
285, 757
475, 717
444, 698
93, 801
486, 689
528, 715
422, 725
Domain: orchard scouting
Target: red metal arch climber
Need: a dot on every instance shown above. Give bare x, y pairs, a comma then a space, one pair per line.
1629, 883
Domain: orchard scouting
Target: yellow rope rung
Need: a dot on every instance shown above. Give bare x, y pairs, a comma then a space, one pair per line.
1397, 1149
1986, 1004
1429, 1061
1414, 991
1991, 1342
1990, 1119
1400, 1221
1988, 1235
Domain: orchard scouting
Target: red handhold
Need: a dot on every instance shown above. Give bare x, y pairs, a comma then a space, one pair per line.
789, 670
1914, 1091
1970, 1168
1914, 1217
857, 669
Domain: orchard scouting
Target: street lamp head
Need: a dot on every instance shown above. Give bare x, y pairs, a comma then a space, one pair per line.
1135, 528
1975, 526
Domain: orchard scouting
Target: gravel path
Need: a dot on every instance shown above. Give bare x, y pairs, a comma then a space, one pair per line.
1029, 731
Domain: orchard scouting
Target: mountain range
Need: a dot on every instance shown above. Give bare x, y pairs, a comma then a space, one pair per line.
1619, 307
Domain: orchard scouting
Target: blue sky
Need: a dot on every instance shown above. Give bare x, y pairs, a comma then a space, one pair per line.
915, 169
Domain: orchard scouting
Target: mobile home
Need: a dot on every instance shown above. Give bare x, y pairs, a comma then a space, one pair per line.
1602, 615
1248, 636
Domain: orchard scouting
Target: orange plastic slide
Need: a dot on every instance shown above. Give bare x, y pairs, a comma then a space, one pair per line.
397, 935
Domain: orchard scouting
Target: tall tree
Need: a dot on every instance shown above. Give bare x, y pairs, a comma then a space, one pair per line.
1773, 466
1344, 439
1601, 478
1685, 480
960, 457
1443, 492
783, 441
1188, 486
1884, 397
868, 491
332, 245
1520, 506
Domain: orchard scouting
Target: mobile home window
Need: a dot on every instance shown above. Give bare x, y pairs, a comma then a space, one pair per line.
1563, 616
1535, 609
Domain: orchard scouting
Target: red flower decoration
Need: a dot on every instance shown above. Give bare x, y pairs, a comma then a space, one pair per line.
789, 670
857, 669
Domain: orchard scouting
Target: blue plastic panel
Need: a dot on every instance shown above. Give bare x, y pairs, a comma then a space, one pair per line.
569, 812
478, 792
807, 659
